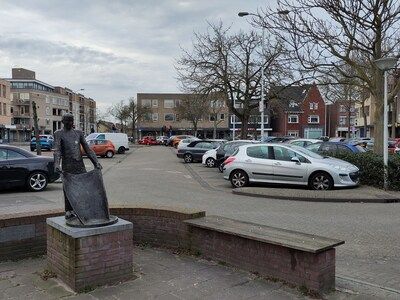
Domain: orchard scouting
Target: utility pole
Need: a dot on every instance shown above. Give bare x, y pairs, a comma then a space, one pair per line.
36, 128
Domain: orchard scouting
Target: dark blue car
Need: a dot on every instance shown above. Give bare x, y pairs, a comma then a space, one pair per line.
335, 147
46, 142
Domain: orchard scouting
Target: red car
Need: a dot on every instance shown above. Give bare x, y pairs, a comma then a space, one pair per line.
148, 140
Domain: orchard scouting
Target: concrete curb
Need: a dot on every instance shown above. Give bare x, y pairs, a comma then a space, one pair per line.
386, 199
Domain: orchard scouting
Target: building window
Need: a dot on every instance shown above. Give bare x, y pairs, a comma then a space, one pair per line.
293, 103
24, 96
154, 103
177, 118
146, 103
293, 119
342, 108
352, 121
342, 120
169, 103
147, 117
177, 103
313, 119
155, 116
4, 91
294, 133
47, 111
169, 117
222, 116
1, 112
313, 105
212, 118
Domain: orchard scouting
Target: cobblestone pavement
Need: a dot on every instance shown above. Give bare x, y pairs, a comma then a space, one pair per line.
370, 259
159, 274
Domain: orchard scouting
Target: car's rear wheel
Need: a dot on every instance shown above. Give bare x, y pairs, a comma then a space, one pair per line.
321, 181
37, 181
210, 162
221, 167
32, 149
188, 158
239, 178
121, 150
109, 154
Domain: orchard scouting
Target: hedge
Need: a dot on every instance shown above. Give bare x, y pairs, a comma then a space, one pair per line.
371, 168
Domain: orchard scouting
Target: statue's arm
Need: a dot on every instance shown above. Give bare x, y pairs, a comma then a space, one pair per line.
57, 151
89, 152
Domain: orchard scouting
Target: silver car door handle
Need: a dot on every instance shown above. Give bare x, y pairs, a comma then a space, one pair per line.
277, 164
248, 160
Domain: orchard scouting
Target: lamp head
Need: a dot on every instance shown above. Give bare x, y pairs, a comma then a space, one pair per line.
386, 63
243, 14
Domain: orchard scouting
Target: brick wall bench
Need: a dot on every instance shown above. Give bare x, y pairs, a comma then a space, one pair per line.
90, 257
298, 258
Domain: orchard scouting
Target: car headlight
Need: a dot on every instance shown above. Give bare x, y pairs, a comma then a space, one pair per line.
341, 168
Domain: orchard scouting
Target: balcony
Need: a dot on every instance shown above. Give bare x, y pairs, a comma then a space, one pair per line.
18, 114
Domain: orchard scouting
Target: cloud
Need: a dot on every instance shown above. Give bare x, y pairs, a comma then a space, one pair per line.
113, 49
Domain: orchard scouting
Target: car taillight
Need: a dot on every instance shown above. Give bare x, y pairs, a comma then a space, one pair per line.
229, 160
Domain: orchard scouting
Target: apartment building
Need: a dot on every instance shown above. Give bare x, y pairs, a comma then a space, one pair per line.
297, 111
51, 103
164, 118
82, 108
341, 119
5, 110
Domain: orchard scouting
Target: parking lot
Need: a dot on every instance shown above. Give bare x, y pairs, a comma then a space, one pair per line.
154, 176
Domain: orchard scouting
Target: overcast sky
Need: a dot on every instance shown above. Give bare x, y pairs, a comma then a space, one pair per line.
112, 49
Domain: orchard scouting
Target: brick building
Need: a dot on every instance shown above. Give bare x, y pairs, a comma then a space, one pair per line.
297, 111
341, 119
5, 110
51, 102
163, 113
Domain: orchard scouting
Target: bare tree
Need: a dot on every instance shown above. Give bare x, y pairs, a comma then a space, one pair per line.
231, 64
36, 128
119, 111
135, 113
194, 108
325, 34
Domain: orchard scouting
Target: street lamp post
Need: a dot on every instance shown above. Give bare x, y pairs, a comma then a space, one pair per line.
261, 107
385, 64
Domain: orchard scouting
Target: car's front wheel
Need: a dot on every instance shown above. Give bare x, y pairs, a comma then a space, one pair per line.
210, 162
121, 150
188, 158
321, 181
239, 178
37, 181
109, 154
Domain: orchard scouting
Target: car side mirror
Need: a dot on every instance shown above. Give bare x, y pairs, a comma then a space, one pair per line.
295, 159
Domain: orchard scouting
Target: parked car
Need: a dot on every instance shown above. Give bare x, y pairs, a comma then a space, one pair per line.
335, 147
288, 164
227, 149
195, 150
183, 143
281, 139
103, 148
337, 139
148, 140
46, 142
304, 142
162, 139
20, 168
178, 138
120, 140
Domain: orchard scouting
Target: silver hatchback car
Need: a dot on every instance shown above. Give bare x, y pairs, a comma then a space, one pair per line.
288, 164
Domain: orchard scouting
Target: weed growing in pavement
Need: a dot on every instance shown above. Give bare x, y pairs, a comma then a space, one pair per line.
47, 274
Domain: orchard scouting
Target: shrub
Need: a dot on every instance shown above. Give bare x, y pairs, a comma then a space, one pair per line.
371, 168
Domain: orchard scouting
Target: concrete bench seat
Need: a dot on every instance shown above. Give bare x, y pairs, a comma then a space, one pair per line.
295, 257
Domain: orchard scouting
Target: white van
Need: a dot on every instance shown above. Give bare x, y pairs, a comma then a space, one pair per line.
120, 140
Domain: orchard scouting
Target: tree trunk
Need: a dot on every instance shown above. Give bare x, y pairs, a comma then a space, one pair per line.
215, 130
394, 117
348, 123
133, 128
245, 127
36, 128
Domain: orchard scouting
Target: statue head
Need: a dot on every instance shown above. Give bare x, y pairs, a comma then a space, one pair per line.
68, 121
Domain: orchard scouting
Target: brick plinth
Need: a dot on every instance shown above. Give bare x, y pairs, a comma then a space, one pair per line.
90, 261
316, 271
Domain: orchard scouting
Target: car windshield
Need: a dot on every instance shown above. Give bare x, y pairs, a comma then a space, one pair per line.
305, 151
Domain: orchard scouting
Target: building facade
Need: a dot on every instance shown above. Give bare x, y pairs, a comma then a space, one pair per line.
164, 118
297, 111
51, 103
5, 110
341, 119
